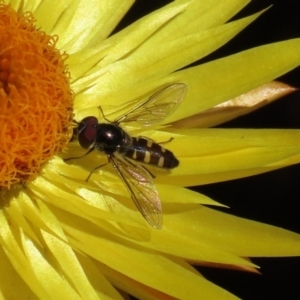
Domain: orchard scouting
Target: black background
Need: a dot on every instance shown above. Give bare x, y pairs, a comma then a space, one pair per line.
272, 197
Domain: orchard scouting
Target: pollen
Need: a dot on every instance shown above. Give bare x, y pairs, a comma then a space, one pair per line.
35, 98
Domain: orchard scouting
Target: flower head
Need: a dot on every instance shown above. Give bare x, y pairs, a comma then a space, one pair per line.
36, 99
62, 236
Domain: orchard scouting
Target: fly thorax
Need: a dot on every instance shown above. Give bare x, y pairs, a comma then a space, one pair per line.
110, 138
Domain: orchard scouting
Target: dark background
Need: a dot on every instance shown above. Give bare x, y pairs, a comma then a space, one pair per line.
272, 197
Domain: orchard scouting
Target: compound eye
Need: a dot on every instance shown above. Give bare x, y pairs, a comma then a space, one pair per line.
87, 131
90, 121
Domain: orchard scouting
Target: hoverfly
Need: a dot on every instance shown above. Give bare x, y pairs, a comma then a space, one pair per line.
123, 151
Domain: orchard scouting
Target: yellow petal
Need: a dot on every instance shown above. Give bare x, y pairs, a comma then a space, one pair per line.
97, 279
212, 13
80, 23
228, 80
27, 5
46, 20
242, 237
42, 265
69, 238
214, 155
144, 64
10, 279
14, 251
90, 208
122, 43
181, 195
134, 262
182, 51
132, 287
66, 261
238, 106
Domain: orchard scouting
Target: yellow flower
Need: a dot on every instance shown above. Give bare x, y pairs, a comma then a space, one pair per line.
62, 237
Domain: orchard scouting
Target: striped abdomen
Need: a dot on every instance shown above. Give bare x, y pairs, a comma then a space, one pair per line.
149, 152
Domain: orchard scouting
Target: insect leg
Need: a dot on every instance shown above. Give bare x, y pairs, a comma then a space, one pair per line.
168, 141
77, 157
149, 139
146, 138
87, 179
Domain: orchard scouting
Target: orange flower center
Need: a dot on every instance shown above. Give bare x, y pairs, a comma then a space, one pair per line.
35, 98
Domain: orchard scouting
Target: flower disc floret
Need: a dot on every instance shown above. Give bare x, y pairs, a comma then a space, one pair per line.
35, 98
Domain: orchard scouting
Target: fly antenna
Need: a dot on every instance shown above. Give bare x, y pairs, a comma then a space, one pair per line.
104, 115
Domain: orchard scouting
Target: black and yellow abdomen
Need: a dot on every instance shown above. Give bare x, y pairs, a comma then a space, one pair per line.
149, 152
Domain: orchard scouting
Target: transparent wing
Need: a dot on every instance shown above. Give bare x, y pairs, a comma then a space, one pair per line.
140, 185
157, 107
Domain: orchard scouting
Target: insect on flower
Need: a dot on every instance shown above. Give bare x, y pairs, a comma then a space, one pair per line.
126, 153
